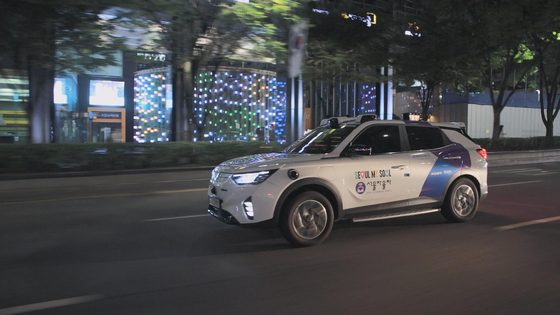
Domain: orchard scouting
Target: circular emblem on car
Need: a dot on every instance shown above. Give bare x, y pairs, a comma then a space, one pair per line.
360, 188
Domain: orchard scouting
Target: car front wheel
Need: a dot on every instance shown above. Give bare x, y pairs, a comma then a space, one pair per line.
461, 202
307, 219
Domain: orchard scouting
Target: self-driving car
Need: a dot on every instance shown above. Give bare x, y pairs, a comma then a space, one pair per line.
357, 169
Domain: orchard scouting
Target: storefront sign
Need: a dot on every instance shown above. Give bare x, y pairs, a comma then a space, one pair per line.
154, 57
106, 115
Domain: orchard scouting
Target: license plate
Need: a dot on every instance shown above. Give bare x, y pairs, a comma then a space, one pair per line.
215, 202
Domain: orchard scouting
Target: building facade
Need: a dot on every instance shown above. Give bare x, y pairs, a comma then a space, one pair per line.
14, 95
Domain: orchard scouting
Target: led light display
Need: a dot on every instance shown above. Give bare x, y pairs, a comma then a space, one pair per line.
239, 106
368, 92
227, 106
152, 109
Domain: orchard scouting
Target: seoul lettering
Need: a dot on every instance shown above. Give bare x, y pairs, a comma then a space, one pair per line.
372, 174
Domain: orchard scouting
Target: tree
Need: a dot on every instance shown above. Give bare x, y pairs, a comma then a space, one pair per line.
495, 32
200, 33
429, 54
46, 36
544, 41
344, 44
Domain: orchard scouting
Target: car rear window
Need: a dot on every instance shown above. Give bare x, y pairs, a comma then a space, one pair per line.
423, 138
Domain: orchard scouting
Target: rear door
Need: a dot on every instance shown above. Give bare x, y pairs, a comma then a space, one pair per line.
434, 160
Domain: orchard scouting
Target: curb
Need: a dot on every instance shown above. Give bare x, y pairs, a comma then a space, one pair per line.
523, 157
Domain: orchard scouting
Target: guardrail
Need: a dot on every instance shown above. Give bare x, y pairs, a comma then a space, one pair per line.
522, 157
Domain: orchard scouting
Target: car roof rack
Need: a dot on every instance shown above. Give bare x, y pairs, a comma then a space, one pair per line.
334, 122
452, 125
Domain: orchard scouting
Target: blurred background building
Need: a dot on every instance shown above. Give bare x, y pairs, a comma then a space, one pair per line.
242, 98
14, 92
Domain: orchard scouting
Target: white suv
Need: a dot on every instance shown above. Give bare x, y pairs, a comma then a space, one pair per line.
356, 169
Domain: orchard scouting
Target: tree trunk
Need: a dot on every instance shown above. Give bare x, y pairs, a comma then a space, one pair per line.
182, 125
191, 70
41, 104
178, 111
40, 67
496, 130
425, 107
549, 137
199, 132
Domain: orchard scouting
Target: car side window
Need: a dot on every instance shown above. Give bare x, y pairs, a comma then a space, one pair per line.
420, 137
381, 139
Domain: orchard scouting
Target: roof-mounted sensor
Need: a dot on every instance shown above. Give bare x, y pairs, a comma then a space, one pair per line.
366, 117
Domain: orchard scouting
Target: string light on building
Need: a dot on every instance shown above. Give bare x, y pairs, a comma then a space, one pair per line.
369, 95
238, 106
230, 105
152, 106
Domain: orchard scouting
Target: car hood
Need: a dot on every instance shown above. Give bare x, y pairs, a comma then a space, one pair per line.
264, 162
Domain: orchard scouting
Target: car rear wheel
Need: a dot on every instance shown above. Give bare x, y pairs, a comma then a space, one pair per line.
307, 219
461, 202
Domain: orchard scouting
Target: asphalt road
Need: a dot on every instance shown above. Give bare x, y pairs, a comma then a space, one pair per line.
143, 244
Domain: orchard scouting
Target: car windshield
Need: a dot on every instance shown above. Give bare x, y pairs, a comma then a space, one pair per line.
321, 140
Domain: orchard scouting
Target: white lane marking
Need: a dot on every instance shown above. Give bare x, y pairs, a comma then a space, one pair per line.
517, 170
528, 223
49, 304
526, 172
178, 218
542, 173
161, 192
516, 183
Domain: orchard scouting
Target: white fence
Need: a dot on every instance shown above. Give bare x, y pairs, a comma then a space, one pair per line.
518, 122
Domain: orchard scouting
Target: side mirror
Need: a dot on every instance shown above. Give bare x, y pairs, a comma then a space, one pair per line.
357, 149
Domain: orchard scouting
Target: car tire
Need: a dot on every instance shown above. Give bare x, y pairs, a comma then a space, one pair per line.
461, 201
307, 219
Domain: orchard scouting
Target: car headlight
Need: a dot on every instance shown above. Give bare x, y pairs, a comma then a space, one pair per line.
251, 178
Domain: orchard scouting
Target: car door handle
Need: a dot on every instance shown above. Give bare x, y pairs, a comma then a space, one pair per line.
398, 166
451, 157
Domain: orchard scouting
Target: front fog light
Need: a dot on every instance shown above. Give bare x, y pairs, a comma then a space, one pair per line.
248, 207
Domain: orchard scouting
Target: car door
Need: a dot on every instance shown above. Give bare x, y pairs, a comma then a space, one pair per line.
433, 161
371, 180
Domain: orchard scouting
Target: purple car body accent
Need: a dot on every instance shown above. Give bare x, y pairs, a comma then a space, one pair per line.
451, 159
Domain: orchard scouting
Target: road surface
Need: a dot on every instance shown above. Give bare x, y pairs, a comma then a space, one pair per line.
143, 244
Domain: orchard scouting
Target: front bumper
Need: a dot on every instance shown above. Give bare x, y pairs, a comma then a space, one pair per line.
230, 208
222, 215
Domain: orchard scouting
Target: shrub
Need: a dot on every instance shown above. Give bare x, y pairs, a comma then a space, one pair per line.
517, 144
